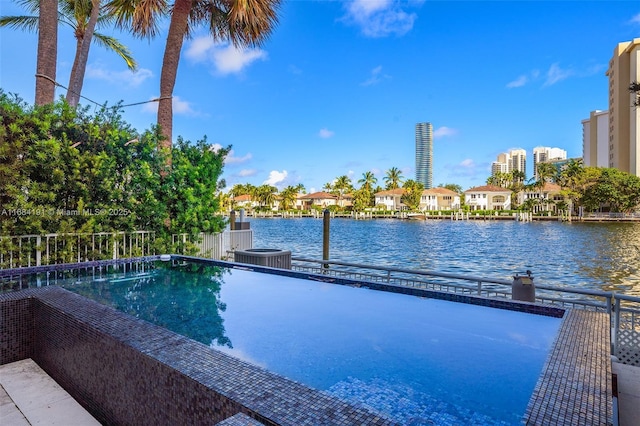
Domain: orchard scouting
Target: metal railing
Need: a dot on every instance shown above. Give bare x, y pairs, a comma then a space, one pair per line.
49, 249
36, 250
623, 310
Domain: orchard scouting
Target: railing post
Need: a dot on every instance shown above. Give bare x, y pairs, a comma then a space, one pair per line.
479, 288
38, 252
326, 218
616, 326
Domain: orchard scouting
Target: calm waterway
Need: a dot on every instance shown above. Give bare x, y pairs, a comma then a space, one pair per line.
597, 256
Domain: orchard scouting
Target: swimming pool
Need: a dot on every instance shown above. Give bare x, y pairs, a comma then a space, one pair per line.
417, 360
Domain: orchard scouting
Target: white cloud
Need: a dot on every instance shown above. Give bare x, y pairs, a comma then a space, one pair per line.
126, 77
375, 77
467, 163
247, 172
179, 106
232, 159
275, 178
380, 18
325, 133
444, 131
556, 74
518, 82
635, 19
225, 57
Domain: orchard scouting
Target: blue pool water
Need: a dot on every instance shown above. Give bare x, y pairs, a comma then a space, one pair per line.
420, 361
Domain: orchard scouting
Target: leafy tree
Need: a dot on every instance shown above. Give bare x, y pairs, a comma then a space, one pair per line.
67, 171
362, 199
620, 190
412, 193
393, 178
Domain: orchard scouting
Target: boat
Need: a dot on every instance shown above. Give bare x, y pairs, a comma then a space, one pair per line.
416, 216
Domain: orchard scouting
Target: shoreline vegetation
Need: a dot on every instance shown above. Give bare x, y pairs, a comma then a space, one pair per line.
485, 216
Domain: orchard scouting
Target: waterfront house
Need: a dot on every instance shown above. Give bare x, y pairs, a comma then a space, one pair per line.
488, 197
439, 199
318, 199
390, 199
545, 198
244, 202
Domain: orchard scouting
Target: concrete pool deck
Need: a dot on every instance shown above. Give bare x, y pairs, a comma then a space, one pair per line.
28, 396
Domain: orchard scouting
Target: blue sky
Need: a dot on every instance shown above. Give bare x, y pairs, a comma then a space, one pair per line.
339, 86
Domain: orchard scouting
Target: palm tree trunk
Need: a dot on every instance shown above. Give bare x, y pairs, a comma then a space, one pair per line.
82, 56
177, 29
47, 52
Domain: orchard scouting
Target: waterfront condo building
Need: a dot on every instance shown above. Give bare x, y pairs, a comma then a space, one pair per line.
595, 139
543, 154
516, 159
624, 118
424, 154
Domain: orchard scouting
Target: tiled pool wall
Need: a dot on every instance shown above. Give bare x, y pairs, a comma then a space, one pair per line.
127, 371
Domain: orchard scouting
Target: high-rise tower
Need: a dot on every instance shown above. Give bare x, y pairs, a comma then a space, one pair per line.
424, 154
624, 119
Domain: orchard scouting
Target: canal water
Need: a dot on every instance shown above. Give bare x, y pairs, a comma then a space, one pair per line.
596, 256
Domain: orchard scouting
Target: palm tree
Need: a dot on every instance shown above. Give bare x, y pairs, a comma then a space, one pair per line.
241, 189
265, 195
288, 197
393, 179
242, 22
368, 181
80, 15
342, 186
47, 52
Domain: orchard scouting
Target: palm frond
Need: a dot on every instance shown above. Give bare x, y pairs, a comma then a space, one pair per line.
251, 21
140, 17
120, 49
28, 23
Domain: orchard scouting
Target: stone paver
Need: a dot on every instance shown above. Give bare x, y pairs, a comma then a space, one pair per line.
32, 397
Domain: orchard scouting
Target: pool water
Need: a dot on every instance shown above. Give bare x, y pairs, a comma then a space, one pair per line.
420, 361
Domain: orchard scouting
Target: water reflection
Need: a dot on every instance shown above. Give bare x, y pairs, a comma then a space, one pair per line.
596, 256
186, 301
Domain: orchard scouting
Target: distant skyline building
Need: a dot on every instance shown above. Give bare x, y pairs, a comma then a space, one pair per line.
543, 154
595, 139
624, 119
506, 162
519, 160
424, 154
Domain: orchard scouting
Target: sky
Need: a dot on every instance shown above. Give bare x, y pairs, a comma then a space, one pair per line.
339, 86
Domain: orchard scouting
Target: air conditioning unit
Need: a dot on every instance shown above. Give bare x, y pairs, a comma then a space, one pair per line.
273, 258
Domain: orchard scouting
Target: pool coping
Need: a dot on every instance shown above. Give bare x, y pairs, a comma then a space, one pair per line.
574, 386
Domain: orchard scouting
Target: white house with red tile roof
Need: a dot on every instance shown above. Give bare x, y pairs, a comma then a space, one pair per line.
319, 199
390, 199
547, 197
488, 197
439, 199
244, 201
